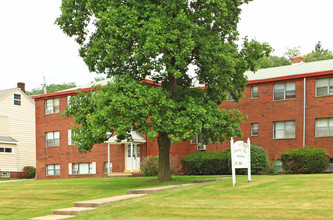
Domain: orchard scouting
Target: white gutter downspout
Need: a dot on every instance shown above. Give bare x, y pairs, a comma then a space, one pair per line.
108, 158
304, 108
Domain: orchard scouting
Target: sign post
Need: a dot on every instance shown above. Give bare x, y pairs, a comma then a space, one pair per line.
240, 158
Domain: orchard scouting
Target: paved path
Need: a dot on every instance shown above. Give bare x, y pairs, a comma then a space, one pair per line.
86, 206
8, 181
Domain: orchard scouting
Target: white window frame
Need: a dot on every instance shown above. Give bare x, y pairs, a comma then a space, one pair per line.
52, 106
329, 86
78, 168
284, 125
328, 127
230, 98
70, 139
17, 99
252, 134
284, 90
52, 167
254, 97
106, 167
4, 149
54, 139
195, 140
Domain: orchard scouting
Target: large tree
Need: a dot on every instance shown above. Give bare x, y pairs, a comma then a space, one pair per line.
161, 40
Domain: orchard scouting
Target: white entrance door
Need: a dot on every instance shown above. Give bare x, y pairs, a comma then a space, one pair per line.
136, 157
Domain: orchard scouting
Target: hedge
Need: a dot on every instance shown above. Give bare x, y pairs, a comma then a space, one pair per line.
304, 160
219, 162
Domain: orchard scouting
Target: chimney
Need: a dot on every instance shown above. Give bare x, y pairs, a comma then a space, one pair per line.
298, 59
21, 85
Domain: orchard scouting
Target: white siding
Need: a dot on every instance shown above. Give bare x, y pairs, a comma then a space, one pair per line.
21, 127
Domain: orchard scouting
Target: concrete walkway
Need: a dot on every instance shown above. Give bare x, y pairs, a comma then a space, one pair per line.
86, 206
9, 181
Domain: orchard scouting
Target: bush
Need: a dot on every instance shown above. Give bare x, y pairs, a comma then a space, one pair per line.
219, 162
304, 160
149, 166
259, 162
28, 172
207, 163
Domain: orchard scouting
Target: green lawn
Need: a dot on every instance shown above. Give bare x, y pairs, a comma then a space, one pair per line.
270, 197
25, 199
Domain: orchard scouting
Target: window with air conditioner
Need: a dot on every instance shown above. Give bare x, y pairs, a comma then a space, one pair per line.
52, 106
5, 174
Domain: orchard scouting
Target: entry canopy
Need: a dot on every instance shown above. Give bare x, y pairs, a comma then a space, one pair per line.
137, 139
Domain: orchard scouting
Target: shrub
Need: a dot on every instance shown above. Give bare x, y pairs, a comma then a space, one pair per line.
28, 172
259, 162
149, 166
219, 162
207, 163
304, 160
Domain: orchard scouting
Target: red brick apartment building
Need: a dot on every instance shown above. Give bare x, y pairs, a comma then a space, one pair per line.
287, 107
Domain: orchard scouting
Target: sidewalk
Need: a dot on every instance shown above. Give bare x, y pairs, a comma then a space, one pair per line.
86, 206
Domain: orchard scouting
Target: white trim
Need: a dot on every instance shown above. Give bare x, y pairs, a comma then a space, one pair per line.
70, 169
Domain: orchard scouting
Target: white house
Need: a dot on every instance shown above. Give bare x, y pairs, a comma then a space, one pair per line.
17, 131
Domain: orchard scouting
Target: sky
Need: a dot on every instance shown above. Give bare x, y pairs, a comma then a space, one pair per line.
32, 46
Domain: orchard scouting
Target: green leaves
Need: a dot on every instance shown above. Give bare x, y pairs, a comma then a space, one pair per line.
136, 39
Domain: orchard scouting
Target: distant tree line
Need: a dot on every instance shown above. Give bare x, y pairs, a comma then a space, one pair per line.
316, 55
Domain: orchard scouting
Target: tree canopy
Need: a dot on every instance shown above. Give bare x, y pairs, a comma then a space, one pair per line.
161, 40
316, 55
52, 88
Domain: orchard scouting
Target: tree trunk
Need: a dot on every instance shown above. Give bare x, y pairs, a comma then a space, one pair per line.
164, 174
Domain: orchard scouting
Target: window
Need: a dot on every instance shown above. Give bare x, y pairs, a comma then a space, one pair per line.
82, 168
53, 139
284, 129
254, 92
17, 99
196, 139
230, 97
53, 170
7, 150
254, 129
330, 165
106, 167
52, 106
277, 164
324, 86
284, 91
324, 127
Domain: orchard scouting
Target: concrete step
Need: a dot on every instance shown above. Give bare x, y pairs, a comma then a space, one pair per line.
157, 189
126, 174
72, 211
52, 217
106, 201
210, 180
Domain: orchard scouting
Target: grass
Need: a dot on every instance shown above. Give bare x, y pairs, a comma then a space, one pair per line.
266, 197
26, 199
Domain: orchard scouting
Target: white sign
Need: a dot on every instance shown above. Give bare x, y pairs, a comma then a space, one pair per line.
240, 158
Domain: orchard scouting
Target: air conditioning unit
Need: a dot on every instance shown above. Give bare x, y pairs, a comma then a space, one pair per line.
75, 172
201, 147
50, 111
